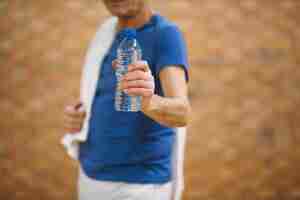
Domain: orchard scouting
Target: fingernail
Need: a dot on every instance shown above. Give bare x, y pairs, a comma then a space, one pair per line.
77, 106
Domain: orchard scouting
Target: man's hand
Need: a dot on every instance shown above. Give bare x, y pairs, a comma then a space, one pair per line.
173, 108
73, 117
138, 81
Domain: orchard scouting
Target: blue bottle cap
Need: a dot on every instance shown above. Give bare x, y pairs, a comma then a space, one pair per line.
129, 33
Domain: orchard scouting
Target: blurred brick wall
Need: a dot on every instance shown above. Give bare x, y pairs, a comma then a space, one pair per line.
245, 89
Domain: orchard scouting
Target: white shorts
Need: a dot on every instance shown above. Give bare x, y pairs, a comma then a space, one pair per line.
90, 189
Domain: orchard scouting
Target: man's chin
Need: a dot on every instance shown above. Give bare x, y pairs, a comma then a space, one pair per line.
121, 14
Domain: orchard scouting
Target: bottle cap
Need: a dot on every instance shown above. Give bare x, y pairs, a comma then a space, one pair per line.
127, 33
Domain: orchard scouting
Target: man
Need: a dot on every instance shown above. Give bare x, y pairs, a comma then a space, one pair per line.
127, 155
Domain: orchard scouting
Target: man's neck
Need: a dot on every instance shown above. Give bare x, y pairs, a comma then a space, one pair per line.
137, 21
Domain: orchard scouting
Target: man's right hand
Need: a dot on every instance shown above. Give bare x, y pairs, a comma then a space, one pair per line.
73, 117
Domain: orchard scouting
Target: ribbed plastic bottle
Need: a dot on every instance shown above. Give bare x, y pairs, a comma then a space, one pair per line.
128, 52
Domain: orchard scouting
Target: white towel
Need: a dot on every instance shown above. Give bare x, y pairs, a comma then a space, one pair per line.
95, 54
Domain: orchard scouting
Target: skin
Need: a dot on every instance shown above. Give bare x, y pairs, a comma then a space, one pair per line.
170, 110
173, 108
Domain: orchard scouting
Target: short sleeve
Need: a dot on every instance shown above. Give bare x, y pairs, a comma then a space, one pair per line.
171, 50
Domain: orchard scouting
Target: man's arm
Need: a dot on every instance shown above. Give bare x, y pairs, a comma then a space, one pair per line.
171, 110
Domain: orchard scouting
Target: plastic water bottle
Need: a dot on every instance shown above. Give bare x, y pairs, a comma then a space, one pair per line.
128, 52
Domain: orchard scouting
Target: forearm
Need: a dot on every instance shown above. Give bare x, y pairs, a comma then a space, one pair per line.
169, 111
173, 109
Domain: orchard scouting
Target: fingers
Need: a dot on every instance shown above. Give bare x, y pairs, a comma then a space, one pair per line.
144, 92
73, 118
72, 129
71, 125
139, 65
137, 84
114, 64
138, 81
75, 113
137, 75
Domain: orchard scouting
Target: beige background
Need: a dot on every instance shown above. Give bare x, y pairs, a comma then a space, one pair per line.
243, 140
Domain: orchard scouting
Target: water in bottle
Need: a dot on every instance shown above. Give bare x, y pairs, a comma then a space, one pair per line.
128, 52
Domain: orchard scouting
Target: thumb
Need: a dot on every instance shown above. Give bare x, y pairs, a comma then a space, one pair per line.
114, 64
73, 106
77, 105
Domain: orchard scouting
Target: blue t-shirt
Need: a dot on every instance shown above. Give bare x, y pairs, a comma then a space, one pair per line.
129, 146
